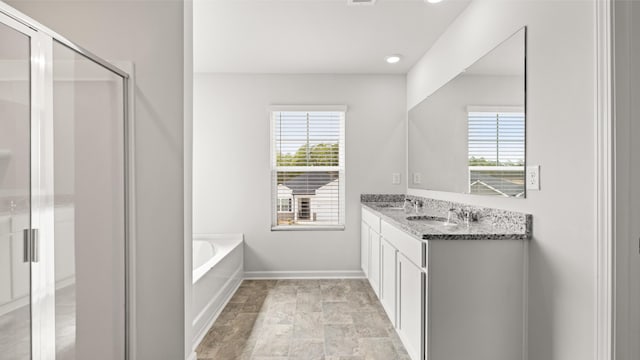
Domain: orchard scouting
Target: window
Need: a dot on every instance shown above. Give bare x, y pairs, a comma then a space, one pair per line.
496, 152
307, 166
284, 205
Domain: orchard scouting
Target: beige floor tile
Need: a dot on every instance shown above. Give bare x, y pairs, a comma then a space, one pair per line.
370, 324
309, 300
337, 312
377, 349
275, 341
302, 320
341, 339
307, 349
308, 326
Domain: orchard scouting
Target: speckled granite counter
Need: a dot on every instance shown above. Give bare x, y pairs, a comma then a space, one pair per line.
492, 224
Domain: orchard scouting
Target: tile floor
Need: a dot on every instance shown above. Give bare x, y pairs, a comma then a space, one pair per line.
303, 320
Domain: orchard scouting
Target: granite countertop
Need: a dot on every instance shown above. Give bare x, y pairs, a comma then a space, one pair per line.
492, 224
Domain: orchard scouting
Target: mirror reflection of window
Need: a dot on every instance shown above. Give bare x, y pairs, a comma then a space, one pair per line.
496, 147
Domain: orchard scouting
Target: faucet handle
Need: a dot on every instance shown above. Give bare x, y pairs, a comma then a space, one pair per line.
466, 214
408, 204
472, 215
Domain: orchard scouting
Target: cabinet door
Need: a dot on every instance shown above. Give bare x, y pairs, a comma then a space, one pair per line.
411, 291
388, 258
374, 262
364, 248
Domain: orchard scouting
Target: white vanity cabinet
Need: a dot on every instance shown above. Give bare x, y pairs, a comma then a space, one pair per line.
448, 299
364, 248
388, 279
411, 306
370, 248
374, 261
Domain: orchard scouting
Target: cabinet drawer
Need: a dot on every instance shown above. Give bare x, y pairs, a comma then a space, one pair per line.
414, 249
371, 219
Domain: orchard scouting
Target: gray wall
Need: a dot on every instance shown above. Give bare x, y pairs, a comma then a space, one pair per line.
560, 138
627, 167
232, 181
150, 34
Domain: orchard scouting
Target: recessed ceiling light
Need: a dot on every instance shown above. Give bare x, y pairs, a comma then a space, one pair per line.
433, 1
361, 2
393, 59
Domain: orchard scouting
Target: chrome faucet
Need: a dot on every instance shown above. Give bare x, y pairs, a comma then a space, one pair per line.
413, 205
465, 214
417, 206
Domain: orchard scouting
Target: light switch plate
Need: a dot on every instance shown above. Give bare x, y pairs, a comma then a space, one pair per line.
533, 177
395, 178
417, 178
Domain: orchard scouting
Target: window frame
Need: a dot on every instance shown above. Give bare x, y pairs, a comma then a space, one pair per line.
274, 169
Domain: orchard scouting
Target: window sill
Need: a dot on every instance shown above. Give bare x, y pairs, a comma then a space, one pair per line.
308, 228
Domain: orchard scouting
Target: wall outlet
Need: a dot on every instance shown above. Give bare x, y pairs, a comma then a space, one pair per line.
395, 178
533, 177
417, 178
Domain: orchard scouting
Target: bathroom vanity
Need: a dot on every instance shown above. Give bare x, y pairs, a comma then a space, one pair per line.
451, 291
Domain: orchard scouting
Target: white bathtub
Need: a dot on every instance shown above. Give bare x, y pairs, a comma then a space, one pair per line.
218, 265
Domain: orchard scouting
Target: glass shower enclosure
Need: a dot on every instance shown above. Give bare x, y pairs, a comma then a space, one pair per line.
63, 197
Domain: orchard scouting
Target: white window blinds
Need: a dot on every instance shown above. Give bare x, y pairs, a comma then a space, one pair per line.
496, 145
307, 169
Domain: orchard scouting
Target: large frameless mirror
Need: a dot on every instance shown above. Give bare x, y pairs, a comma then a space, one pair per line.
469, 135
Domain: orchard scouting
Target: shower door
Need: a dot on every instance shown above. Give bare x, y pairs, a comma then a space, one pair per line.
62, 198
89, 218
15, 199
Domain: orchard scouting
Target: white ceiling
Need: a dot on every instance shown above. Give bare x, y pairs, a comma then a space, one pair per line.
315, 36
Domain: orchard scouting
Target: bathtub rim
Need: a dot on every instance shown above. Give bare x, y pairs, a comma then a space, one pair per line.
223, 244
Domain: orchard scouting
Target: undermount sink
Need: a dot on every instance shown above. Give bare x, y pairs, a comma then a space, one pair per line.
431, 220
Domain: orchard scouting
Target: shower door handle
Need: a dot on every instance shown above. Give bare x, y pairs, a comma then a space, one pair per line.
35, 246
26, 245
31, 245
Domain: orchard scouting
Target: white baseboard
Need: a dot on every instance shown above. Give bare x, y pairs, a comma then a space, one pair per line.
331, 274
192, 356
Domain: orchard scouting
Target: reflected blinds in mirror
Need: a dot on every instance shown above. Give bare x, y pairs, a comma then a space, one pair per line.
307, 169
496, 147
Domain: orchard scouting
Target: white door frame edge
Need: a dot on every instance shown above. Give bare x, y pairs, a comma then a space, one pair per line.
604, 175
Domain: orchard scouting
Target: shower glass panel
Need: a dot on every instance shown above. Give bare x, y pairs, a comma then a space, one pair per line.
89, 195
63, 225
15, 103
